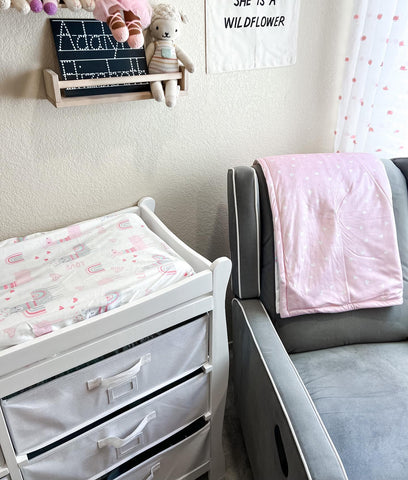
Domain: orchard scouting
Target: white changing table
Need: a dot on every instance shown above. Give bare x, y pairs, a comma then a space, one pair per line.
141, 389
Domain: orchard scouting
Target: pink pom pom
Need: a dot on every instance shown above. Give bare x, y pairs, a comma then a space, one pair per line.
50, 8
36, 6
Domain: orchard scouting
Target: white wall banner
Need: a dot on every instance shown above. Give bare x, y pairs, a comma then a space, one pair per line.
247, 34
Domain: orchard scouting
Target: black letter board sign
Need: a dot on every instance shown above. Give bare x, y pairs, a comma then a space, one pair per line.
86, 49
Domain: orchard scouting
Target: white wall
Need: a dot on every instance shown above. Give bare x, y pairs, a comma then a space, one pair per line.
58, 166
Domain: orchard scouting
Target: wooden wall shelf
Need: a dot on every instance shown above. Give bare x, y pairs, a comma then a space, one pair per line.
54, 87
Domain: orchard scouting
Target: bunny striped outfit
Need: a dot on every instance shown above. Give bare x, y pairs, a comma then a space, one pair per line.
164, 59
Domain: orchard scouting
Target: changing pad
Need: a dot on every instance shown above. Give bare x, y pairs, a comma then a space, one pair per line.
53, 279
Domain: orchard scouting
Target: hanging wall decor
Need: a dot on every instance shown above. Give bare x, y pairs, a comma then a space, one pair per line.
248, 34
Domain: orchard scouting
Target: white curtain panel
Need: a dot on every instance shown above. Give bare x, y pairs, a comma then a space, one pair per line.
373, 109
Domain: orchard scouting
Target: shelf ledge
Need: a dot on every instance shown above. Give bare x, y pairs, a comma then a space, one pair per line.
54, 86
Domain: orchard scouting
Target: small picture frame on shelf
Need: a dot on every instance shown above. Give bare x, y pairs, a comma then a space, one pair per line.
87, 50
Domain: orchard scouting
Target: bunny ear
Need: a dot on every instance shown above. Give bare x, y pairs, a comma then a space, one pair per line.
183, 16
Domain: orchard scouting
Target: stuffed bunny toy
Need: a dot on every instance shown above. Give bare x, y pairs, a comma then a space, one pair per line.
163, 55
126, 19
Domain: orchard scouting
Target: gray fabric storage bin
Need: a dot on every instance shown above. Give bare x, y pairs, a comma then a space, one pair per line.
93, 453
50, 411
176, 462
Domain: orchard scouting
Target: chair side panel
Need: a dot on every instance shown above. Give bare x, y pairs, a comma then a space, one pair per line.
284, 436
243, 209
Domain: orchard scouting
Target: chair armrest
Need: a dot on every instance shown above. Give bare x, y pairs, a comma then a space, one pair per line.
284, 434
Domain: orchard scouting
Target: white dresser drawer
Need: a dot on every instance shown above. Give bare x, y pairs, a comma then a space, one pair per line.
50, 411
98, 450
176, 462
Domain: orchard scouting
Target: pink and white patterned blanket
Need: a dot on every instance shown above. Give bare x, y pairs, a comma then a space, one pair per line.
335, 237
53, 279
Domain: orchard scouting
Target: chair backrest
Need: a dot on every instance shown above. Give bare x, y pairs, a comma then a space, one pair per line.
253, 274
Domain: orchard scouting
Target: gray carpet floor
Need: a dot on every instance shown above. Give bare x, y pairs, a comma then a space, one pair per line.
236, 461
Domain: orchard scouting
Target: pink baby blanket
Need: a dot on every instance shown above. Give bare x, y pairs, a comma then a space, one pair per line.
335, 238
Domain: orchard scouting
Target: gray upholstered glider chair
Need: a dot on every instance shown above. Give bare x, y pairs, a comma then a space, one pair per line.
322, 396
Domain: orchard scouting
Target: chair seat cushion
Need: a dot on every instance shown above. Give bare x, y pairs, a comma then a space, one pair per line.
361, 394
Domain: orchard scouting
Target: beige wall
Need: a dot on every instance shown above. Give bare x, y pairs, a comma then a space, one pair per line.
59, 166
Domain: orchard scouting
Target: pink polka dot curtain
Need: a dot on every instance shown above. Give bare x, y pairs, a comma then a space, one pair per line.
373, 109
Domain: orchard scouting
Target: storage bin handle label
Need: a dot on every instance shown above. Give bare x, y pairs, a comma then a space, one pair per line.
120, 378
152, 471
137, 434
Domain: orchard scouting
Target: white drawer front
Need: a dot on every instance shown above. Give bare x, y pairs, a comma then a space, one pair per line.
98, 450
176, 462
48, 412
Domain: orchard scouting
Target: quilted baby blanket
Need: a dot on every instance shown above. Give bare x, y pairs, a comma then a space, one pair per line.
335, 237
53, 279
